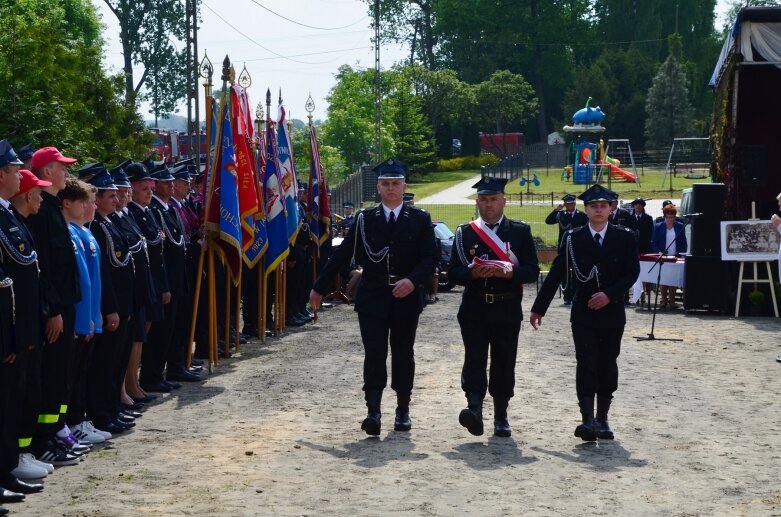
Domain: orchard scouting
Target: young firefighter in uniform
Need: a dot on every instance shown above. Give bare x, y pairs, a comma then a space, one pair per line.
604, 263
490, 314
395, 245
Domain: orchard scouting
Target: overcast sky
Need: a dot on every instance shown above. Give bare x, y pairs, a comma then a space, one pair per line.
317, 37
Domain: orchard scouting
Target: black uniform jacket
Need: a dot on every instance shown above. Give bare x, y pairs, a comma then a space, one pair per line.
56, 258
17, 261
644, 228
150, 228
622, 217
144, 293
618, 267
566, 221
116, 268
410, 255
174, 248
468, 245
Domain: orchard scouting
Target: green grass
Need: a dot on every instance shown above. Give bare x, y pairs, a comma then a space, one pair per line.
553, 185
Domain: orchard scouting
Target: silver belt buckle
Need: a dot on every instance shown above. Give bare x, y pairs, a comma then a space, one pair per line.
489, 298
392, 279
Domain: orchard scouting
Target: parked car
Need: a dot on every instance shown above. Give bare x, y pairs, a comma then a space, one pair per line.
445, 237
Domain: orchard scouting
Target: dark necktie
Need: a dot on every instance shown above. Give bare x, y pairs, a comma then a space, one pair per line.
598, 239
392, 219
492, 226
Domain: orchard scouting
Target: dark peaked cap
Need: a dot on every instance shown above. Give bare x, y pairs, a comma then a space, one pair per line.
597, 193
391, 169
489, 185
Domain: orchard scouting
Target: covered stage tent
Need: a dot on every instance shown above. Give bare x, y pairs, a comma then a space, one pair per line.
745, 129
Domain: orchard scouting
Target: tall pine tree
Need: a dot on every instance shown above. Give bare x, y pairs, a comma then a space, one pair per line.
414, 137
668, 107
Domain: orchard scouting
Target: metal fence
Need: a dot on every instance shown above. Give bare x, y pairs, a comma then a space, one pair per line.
531, 213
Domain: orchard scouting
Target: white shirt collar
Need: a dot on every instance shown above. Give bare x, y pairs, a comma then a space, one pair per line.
143, 208
594, 232
6, 204
165, 205
396, 211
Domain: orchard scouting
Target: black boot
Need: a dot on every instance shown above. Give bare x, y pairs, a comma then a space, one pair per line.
501, 425
403, 421
472, 416
587, 431
603, 428
371, 424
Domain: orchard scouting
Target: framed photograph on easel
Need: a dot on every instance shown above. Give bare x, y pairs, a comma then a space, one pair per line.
749, 241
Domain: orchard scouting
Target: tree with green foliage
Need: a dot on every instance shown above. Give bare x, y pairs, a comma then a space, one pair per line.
668, 107
53, 90
414, 137
446, 101
350, 124
409, 22
149, 31
503, 101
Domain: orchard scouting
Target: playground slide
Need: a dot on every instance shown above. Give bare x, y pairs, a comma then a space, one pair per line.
621, 173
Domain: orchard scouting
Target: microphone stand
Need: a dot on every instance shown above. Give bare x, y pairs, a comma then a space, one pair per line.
660, 262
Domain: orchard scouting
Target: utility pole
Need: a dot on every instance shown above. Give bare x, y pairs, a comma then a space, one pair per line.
193, 108
377, 84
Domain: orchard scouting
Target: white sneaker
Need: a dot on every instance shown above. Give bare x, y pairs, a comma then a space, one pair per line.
82, 431
48, 466
91, 427
28, 470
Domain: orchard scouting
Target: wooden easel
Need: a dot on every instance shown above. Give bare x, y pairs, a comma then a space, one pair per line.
756, 280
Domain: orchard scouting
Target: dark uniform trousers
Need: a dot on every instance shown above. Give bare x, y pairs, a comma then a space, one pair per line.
384, 319
596, 333
492, 328
60, 292
177, 351
162, 334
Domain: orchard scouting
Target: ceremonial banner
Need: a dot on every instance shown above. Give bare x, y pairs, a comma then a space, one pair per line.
253, 230
287, 174
276, 224
319, 210
227, 193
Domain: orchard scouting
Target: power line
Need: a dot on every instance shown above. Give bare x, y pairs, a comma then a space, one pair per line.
303, 24
307, 54
252, 40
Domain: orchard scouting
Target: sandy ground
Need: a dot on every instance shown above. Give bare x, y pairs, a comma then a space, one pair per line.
275, 431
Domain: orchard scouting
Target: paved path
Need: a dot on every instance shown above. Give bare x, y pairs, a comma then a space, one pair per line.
456, 195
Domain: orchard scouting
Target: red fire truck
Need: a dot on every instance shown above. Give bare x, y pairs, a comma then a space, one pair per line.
171, 146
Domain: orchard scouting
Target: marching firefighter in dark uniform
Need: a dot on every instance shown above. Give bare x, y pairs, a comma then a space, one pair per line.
604, 264
490, 315
394, 243
566, 216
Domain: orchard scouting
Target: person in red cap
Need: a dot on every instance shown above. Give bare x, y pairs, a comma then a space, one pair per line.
25, 203
60, 293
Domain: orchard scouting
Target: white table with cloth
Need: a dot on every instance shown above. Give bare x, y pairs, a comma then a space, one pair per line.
672, 273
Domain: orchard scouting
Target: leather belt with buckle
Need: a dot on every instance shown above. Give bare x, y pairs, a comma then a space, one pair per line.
498, 297
392, 279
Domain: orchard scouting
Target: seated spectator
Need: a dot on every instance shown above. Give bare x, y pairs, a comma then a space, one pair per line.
669, 239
